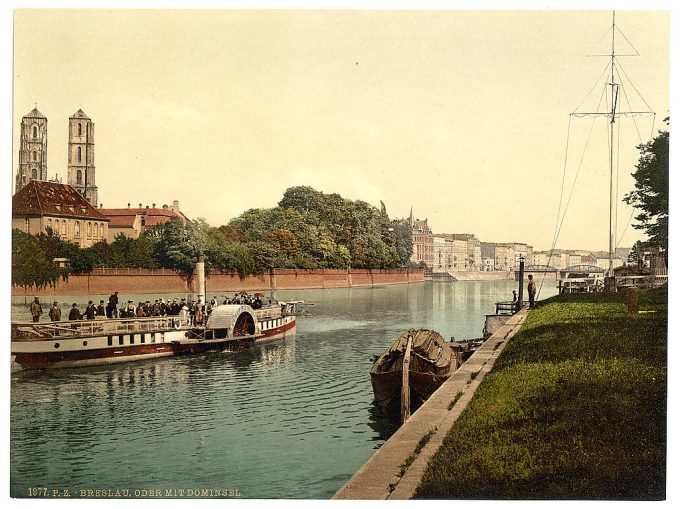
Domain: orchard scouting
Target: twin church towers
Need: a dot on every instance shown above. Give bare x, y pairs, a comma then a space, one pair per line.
33, 153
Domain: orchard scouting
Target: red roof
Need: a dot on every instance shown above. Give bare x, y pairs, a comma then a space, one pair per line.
153, 216
42, 198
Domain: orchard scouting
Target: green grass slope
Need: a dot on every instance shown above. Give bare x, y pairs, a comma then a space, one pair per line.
575, 408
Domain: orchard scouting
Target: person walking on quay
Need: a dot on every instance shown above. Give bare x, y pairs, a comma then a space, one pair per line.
101, 310
74, 314
90, 311
531, 288
55, 312
36, 309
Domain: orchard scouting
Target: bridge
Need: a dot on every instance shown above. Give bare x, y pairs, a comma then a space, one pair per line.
557, 274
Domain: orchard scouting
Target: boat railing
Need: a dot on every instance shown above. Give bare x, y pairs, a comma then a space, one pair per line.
30, 331
268, 313
506, 308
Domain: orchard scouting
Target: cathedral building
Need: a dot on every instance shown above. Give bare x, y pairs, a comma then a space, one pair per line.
32, 149
33, 153
81, 169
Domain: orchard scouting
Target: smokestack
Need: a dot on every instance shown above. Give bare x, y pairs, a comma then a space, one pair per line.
200, 278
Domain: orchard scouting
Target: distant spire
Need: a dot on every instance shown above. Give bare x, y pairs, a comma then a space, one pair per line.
410, 217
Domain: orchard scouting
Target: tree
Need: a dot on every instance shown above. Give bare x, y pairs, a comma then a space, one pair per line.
30, 264
176, 247
651, 190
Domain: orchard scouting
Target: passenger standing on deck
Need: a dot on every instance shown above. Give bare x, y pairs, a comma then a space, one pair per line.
184, 315
36, 309
74, 314
531, 288
90, 311
55, 312
112, 308
101, 310
140, 310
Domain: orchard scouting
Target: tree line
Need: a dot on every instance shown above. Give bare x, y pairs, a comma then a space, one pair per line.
308, 229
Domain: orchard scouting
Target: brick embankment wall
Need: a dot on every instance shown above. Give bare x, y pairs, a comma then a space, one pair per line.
159, 281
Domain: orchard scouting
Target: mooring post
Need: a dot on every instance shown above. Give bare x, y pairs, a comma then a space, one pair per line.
405, 387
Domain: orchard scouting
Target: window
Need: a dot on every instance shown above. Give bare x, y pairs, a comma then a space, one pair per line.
77, 229
80, 129
109, 340
89, 229
101, 230
80, 153
35, 155
121, 340
34, 174
79, 175
35, 132
63, 227
27, 225
49, 224
132, 339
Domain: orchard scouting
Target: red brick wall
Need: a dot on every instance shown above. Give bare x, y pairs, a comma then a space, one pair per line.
107, 281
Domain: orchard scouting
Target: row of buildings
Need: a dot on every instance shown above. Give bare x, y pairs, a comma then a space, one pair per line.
462, 252
70, 210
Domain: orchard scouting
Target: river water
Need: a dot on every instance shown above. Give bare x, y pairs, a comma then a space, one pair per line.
290, 419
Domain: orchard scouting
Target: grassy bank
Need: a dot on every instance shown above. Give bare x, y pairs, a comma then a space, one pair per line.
575, 408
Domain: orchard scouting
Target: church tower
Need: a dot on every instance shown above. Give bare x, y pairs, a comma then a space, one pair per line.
32, 149
81, 171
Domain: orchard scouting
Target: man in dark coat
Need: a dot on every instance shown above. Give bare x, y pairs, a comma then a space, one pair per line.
101, 310
55, 312
90, 311
36, 309
74, 314
112, 308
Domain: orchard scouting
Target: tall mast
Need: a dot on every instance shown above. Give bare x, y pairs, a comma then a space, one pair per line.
612, 197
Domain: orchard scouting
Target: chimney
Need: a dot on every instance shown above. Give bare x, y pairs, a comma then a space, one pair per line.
140, 205
153, 205
175, 205
147, 207
165, 206
128, 205
101, 205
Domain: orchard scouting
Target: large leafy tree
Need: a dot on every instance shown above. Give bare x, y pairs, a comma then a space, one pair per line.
30, 264
176, 246
651, 190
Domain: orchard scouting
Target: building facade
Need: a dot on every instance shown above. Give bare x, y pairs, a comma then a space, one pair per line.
443, 254
505, 257
488, 255
32, 149
423, 242
132, 222
41, 206
81, 168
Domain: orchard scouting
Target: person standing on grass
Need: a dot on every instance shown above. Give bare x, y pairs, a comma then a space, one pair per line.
531, 288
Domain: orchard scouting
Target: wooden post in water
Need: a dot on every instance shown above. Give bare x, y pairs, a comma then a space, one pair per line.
405, 387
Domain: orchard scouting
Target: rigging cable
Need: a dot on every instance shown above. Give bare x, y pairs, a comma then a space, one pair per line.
559, 223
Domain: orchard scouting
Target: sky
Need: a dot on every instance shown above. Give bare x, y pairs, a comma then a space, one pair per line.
461, 115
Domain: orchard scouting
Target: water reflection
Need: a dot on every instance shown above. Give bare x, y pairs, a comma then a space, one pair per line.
289, 419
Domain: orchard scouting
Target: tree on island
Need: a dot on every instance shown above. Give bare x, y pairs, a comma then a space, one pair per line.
651, 190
